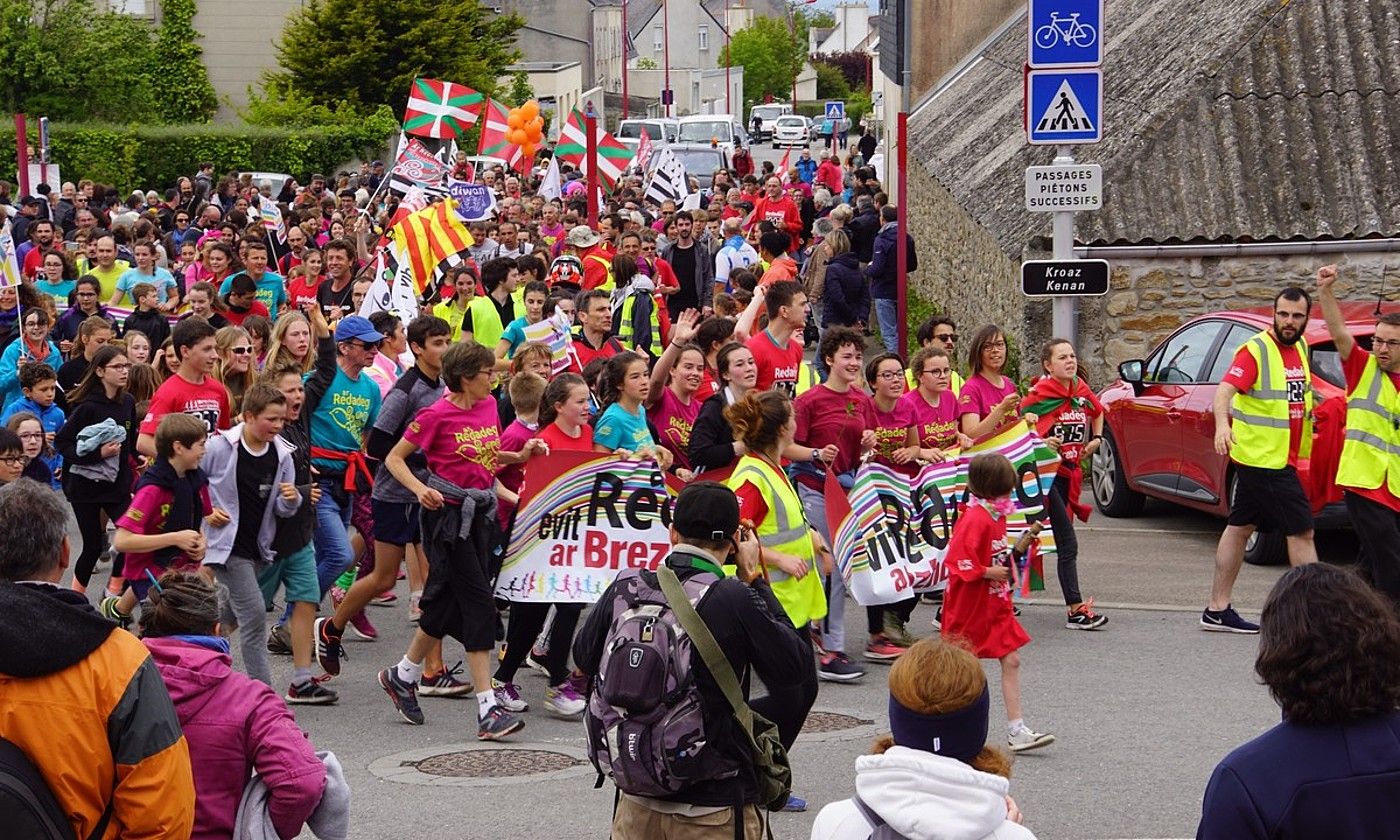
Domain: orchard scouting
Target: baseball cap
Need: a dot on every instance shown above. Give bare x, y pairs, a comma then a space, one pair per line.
706, 510
583, 236
355, 328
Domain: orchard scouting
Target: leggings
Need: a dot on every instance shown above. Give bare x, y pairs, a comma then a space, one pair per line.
787, 706
1066, 543
526, 622
245, 609
875, 616
94, 536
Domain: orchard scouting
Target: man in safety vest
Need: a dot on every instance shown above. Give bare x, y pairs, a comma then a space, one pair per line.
1268, 395
1369, 470
594, 254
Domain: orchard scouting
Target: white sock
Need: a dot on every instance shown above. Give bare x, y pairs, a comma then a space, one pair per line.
409, 672
485, 702
1014, 726
415, 596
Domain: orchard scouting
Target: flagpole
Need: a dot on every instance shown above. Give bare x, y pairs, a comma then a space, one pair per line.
590, 127
666, 53
624, 59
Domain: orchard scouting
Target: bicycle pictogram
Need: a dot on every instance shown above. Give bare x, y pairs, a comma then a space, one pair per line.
1066, 30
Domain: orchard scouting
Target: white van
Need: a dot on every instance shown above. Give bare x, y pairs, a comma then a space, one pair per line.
629, 132
767, 115
718, 130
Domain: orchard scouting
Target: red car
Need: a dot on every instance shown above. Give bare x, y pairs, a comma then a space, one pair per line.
1159, 430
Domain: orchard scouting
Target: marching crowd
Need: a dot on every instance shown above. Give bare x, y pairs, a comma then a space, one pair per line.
221, 405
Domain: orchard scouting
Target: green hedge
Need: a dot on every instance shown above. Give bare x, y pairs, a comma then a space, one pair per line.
856, 108
153, 157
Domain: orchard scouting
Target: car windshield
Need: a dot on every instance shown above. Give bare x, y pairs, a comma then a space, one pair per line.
704, 132
793, 122
767, 113
699, 162
633, 131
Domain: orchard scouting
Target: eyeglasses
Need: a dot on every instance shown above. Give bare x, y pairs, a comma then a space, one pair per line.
240, 351
118, 366
888, 376
951, 338
938, 371
80, 200
1381, 342
13, 460
31, 436
365, 345
994, 345
182, 220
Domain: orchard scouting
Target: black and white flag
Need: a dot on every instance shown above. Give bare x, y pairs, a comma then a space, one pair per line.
668, 179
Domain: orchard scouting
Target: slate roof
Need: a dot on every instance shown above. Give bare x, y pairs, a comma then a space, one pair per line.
1225, 120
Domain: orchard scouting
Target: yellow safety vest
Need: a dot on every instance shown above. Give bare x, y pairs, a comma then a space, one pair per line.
784, 529
487, 328
1371, 451
624, 325
453, 316
1261, 413
806, 379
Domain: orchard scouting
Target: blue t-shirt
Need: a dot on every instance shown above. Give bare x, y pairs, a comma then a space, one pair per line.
58, 291
620, 429
272, 290
515, 334
348, 408
162, 279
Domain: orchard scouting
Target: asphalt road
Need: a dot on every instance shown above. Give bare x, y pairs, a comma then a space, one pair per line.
1141, 710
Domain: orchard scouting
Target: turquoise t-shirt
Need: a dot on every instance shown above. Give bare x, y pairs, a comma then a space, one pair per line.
515, 334
345, 412
58, 291
162, 279
272, 290
620, 429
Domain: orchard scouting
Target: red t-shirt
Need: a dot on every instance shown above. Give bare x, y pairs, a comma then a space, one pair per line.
777, 366
208, 401
892, 431
937, 424
975, 608
751, 504
708, 387
236, 318
673, 420
1352, 368
512, 476
978, 396
301, 291
596, 273
825, 417
1243, 373
560, 442
580, 353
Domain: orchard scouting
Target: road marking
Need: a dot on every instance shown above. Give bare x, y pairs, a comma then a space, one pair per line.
1111, 605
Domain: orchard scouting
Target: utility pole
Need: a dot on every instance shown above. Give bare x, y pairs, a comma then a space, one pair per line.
902, 182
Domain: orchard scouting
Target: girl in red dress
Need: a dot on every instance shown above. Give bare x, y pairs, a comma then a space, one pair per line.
977, 606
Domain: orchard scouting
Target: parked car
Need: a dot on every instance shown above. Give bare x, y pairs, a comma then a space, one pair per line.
791, 131
701, 160
719, 130
268, 183
630, 133
768, 115
1159, 432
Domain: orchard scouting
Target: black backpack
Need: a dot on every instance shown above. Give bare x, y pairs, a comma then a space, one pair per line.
28, 808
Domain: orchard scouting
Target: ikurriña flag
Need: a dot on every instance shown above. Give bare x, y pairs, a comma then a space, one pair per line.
440, 109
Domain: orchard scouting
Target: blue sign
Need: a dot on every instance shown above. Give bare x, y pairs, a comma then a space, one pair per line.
474, 201
1064, 106
1065, 33
836, 110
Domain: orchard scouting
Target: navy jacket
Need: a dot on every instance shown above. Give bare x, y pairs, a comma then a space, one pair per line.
1308, 782
884, 279
845, 295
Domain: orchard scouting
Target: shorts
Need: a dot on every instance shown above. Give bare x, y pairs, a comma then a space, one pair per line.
297, 572
1271, 500
395, 523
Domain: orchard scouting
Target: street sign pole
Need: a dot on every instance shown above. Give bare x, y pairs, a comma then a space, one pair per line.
1065, 320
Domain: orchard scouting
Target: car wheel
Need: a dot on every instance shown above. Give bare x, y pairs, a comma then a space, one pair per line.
1109, 483
1263, 548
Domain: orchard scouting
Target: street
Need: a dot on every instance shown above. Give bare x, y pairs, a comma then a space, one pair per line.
1141, 712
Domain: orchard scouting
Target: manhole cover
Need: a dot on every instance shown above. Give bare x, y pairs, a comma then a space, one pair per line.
493, 764
832, 722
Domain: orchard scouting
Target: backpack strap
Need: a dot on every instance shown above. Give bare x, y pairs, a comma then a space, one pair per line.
704, 642
101, 828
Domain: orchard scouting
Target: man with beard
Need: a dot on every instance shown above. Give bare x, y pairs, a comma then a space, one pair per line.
1268, 393
41, 235
1369, 471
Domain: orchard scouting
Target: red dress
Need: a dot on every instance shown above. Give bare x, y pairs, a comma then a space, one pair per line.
974, 608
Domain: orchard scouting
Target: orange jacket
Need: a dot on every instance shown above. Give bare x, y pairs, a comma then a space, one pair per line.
86, 704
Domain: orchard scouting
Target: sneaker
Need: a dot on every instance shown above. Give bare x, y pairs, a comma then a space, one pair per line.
360, 625
497, 724
837, 667
108, 608
1016, 611
881, 649
384, 599
932, 597
444, 683
579, 683
403, 694
1226, 621
328, 649
563, 700
508, 696
279, 640
938, 618
310, 693
535, 658
897, 632
1083, 617
415, 612
795, 804
1028, 739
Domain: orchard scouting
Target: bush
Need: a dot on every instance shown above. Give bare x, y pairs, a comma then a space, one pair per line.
154, 157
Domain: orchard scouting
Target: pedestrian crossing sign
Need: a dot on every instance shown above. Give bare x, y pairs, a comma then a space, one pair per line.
836, 110
1064, 106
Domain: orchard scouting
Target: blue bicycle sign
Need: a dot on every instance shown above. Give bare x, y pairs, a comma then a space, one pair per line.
1065, 33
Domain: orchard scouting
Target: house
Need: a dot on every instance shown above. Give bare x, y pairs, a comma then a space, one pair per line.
1245, 144
852, 33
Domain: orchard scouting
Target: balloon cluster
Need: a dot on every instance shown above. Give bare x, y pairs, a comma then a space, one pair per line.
525, 128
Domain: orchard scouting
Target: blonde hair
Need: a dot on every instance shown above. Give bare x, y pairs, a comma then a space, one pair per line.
278, 356
237, 384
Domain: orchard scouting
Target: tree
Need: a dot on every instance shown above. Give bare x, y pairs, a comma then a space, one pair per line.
830, 83
520, 90
853, 64
182, 89
369, 53
768, 52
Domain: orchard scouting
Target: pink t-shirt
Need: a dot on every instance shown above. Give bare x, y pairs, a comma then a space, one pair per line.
979, 395
512, 476
460, 444
937, 424
146, 514
673, 420
891, 428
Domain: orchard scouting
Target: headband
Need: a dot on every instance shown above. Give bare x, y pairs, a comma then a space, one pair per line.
960, 734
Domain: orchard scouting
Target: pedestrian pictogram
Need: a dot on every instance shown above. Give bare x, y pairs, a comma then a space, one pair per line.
836, 110
1064, 106
1065, 113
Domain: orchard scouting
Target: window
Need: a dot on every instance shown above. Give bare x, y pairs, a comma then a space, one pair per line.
1180, 360
658, 42
1237, 335
704, 38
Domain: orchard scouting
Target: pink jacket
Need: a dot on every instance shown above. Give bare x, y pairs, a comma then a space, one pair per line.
235, 726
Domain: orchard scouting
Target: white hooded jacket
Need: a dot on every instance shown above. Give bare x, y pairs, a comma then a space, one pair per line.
922, 796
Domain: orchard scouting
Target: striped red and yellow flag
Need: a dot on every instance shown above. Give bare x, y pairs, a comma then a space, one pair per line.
434, 239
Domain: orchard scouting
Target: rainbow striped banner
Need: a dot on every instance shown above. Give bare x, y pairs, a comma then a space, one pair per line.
891, 532
121, 313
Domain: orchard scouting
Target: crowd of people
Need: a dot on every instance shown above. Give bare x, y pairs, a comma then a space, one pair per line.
252, 433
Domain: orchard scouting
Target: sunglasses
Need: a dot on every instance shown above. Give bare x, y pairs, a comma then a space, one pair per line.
951, 338
240, 351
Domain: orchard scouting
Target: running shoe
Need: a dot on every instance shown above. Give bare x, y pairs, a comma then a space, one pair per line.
897, 631
508, 696
932, 597
837, 667
535, 658
579, 682
1083, 617
881, 649
403, 694
328, 648
497, 724
938, 617
360, 625
310, 693
108, 608
384, 599
415, 612
563, 700
1226, 621
279, 640
795, 804
444, 683
1026, 738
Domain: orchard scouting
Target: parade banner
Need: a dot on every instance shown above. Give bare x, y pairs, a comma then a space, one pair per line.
474, 201
584, 517
890, 535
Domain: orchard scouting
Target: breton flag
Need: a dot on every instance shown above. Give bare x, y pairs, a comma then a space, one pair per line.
433, 240
392, 290
9, 259
440, 109
668, 179
613, 156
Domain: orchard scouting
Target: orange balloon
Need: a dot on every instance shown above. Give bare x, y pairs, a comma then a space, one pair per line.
530, 110
537, 124
514, 119
528, 150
